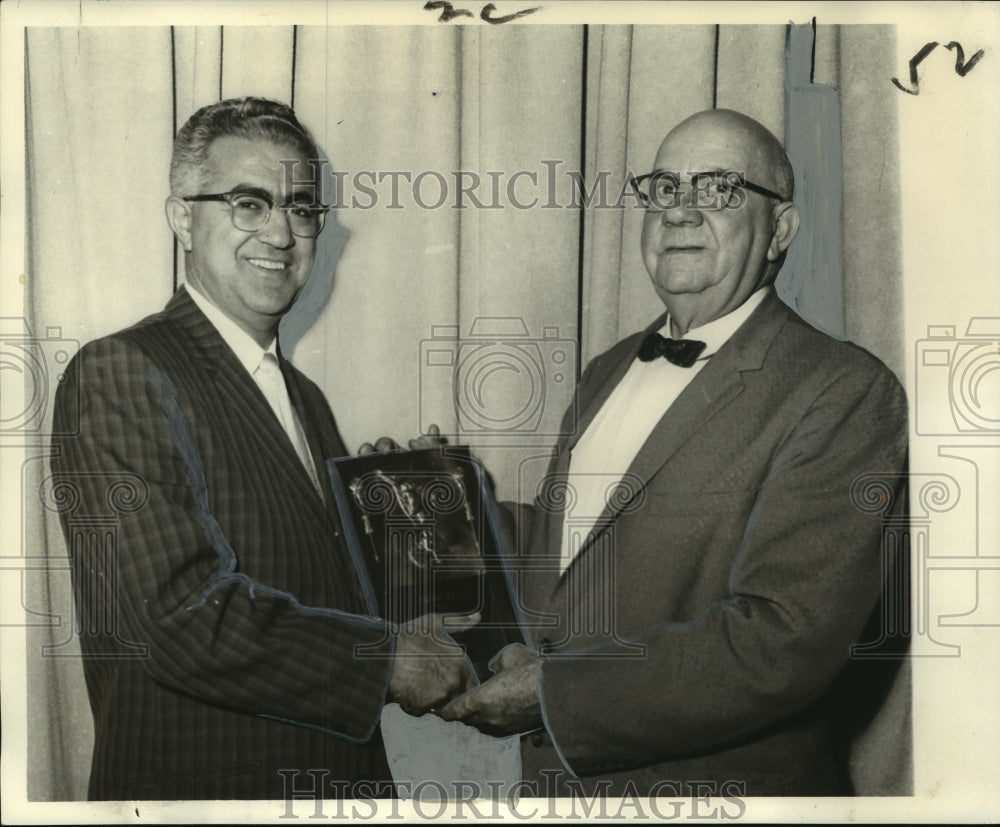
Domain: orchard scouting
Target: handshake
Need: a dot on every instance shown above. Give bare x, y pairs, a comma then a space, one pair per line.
431, 673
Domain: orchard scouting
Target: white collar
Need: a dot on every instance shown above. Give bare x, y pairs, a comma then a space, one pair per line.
719, 331
240, 342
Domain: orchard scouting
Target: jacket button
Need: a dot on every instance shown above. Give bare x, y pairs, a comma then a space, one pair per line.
537, 739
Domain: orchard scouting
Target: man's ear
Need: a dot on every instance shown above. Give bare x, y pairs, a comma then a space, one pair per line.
179, 218
786, 225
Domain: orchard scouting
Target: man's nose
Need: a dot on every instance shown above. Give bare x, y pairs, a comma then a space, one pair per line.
276, 230
684, 211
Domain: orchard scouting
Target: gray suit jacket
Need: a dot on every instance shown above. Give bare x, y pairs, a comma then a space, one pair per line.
703, 633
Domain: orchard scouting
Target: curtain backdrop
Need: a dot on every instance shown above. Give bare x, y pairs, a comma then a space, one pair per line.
411, 285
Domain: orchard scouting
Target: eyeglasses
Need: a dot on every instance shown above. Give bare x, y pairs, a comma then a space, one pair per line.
251, 211
713, 190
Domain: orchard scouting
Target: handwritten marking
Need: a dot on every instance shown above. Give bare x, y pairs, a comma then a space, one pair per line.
489, 8
449, 12
962, 68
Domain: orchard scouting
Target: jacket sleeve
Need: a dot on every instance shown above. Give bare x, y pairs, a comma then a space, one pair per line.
208, 630
805, 577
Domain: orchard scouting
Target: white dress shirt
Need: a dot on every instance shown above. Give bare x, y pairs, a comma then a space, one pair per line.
263, 365
601, 458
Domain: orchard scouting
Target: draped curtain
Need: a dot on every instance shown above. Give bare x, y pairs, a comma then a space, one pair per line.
412, 307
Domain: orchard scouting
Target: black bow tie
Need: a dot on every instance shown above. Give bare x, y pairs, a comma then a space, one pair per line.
680, 352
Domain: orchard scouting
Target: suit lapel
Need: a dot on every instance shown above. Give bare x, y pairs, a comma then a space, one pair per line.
718, 384
247, 402
319, 452
545, 544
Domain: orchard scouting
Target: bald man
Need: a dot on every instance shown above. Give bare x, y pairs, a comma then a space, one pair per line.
697, 596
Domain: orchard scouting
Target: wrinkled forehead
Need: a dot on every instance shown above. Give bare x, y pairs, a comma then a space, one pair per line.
700, 147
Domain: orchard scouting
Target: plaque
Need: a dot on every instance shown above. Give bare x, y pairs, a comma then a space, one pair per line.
423, 529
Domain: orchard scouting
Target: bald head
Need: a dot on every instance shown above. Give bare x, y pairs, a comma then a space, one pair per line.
765, 160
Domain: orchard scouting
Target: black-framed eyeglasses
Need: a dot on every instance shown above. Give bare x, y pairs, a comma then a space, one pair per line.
711, 190
250, 211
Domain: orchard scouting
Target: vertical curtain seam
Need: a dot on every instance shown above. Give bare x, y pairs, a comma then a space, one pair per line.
459, 128
581, 241
222, 38
173, 96
66, 115
29, 241
812, 56
715, 67
295, 35
621, 225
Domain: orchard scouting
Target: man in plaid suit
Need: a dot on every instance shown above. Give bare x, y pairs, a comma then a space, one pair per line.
265, 667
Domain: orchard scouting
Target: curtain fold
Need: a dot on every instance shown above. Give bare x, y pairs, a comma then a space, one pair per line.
474, 318
609, 59
871, 243
399, 265
197, 68
256, 60
519, 267
751, 73
97, 174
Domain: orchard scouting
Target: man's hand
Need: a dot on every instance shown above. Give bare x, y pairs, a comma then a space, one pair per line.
385, 444
507, 703
430, 667
432, 439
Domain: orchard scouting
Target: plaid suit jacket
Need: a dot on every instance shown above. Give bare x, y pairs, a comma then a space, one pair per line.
222, 615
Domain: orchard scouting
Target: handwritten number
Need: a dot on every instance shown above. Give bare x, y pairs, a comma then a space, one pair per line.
914, 62
961, 67
489, 8
449, 12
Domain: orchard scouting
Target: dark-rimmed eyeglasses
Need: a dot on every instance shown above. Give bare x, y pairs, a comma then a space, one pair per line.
250, 211
711, 190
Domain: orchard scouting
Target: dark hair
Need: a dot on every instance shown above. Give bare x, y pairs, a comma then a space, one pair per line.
251, 118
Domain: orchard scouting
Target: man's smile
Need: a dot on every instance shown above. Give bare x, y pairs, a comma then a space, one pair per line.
267, 263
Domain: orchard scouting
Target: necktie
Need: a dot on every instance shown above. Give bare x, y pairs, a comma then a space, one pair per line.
681, 352
272, 383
